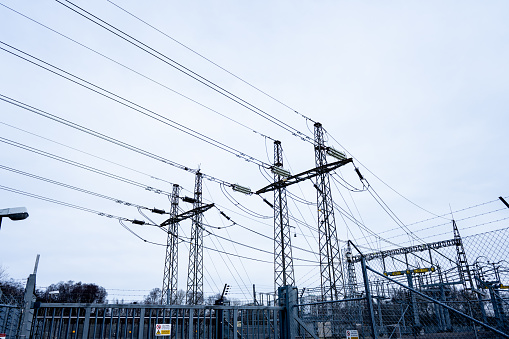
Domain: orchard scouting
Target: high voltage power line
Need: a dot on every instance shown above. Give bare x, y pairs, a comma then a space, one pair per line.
57, 32
139, 73
111, 216
198, 77
212, 62
160, 56
227, 148
129, 104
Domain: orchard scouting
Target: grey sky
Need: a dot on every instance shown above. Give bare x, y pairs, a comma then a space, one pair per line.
416, 91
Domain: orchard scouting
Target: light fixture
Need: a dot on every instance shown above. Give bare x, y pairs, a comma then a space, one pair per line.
241, 189
280, 171
336, 154
14, 213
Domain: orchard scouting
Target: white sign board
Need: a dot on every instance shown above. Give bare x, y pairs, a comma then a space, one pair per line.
163, 329
352, 334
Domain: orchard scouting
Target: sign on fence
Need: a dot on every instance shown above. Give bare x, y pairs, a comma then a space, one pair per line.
352, 334
163, 329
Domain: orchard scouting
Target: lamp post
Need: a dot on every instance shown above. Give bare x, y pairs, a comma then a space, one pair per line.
14, 213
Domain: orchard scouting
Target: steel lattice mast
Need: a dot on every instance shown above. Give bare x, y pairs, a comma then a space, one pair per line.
170, 276
351, 277
330, 259
194, 294
463, 269
283, 259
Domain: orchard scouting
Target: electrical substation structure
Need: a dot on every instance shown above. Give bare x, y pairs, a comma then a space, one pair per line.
170, 275
283, 259
331, 273
194, 293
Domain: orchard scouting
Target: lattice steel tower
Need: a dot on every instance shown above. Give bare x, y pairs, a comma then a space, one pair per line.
463, 269
170, 276
351, 283
330, 258
194, 294
283, 259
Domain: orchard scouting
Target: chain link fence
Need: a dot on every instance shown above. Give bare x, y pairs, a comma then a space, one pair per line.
457, 288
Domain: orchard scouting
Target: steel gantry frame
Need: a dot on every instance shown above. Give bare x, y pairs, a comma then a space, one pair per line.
194, 294
170, 275
331, 269
283, 259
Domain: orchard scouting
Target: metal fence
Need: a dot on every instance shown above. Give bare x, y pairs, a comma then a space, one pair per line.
105, 321
10, 316
458, 290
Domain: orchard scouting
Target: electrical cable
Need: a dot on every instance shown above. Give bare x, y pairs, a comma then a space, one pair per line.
422, 208
66, 204
240, 206
212, 62
89, 154
138, 73
78, 189
82, 166
228, 266
129, 104
204, 267
89, 16
258, 233
443, 215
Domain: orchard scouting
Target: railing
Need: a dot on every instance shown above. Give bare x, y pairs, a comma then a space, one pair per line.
9, 320
106, 321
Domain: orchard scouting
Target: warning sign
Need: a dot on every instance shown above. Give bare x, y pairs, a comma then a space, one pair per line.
163, 329
352, 334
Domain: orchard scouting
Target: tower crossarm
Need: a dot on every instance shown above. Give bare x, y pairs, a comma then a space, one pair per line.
187, 215
304, 176
407, 250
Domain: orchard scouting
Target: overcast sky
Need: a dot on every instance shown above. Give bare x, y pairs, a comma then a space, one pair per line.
415, 91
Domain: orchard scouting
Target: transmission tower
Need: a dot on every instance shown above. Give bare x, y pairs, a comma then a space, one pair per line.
463, 269
351, 285
283, 259
194, 294
170, 276
330, 259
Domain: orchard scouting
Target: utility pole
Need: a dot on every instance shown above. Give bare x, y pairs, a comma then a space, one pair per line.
194, 294
330, 259
170, 275
283, 259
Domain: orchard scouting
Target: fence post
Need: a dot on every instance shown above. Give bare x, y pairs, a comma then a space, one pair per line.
86, 323
28, 312
415, 311
368, 297
141, 325
190, 325
287, 298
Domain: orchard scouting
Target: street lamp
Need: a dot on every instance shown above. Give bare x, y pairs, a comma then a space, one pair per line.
14, 213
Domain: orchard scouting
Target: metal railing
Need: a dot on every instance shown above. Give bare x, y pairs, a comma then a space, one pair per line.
9, 320
106, 321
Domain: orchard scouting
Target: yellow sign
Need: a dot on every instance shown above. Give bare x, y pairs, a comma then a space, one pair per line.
163, 329
417, 270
